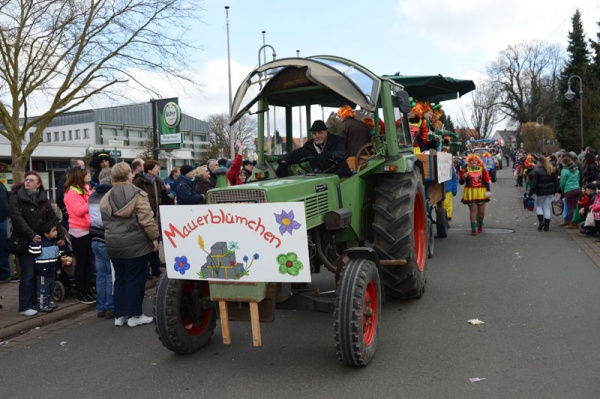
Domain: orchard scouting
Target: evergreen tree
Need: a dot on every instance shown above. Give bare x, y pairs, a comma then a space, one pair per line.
594, 92
568, 123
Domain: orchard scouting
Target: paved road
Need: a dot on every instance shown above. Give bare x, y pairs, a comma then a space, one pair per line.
536, 292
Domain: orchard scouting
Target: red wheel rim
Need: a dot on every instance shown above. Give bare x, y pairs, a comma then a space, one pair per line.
420, 232
370, 315
194, 327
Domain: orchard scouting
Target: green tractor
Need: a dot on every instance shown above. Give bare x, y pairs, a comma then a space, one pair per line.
373, 231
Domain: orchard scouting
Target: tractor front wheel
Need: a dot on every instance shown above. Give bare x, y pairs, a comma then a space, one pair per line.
357, 309
185, 316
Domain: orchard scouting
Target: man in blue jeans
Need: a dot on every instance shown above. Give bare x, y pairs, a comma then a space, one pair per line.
104, 281
5, 271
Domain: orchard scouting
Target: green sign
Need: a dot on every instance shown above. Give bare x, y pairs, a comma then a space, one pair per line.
114, 153
168, 118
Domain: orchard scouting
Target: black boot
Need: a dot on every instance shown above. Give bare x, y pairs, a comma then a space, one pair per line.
546, 224
541, 220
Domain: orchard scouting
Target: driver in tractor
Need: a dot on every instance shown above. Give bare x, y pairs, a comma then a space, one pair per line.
325, 152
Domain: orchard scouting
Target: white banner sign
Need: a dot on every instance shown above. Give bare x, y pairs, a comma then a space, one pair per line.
444, 166
170, 138
237, 242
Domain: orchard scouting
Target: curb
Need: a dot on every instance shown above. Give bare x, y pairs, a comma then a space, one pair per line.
67, 311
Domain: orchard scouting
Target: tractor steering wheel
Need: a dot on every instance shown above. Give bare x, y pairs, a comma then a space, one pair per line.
365, 150
311, 171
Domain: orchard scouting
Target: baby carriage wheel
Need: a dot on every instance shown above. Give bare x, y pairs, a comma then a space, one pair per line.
58, 291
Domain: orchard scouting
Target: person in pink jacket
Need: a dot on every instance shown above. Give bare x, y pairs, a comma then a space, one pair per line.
596, 210
76, 198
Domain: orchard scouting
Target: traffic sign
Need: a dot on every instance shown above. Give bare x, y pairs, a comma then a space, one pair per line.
114, 153
115, 143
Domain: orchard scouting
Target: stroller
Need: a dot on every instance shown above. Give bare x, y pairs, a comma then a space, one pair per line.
64, 279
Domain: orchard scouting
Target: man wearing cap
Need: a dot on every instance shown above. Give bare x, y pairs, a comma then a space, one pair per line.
100, 160
356, 133
327, 153
184, 187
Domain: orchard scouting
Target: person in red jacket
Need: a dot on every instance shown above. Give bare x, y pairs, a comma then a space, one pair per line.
233, 174
477, 192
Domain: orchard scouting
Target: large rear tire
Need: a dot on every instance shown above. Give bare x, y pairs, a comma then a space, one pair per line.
357, 309
185, 316
400, 232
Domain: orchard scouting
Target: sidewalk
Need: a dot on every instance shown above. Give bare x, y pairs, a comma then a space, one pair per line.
12, 323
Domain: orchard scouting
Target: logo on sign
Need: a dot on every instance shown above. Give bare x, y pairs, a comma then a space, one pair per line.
172, 115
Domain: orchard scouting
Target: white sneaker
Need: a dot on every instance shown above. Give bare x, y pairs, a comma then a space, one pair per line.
139, 320
29, 312
120, 321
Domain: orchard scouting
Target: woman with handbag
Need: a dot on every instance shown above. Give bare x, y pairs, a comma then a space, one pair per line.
29, 208
544, 184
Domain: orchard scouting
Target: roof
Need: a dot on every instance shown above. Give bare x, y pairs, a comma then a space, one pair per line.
132, 115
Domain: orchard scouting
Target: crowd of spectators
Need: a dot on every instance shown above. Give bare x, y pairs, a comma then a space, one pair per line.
563, 180
110, 223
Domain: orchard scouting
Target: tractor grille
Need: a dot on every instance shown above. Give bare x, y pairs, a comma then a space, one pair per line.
240, 196
316, 205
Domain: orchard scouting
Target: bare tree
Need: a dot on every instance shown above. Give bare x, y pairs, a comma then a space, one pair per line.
526, 76
221, 133
68, 52
485, 111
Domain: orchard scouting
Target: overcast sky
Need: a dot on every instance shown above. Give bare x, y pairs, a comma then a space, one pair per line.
456, 38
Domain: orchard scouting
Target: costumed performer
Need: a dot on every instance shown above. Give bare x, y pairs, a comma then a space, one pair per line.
477, 192
451, 191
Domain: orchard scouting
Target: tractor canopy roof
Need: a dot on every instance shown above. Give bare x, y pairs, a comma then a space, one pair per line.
433, 88
325, 80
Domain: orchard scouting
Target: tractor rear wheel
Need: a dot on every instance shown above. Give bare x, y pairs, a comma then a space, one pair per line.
400, 232
357, 309
185, 316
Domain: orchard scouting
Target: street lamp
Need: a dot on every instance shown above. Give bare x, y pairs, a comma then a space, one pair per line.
570, 94
537, 124
231, 138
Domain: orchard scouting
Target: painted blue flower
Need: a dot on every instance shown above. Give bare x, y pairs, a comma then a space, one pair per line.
286, 222
233, 246
181, 264
256, 256
246, 259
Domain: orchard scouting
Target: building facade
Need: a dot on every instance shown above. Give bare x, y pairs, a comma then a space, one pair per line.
79, 134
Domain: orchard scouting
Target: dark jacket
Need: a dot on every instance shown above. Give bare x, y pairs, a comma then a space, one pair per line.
60, 199
27, 213
356, 134
154, 187
3, 202
201, 186
332, 156
97, 227
541, 183
184, 187
590, 174
128, 222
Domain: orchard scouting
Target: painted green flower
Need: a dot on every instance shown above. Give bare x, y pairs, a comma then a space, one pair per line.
289, 264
